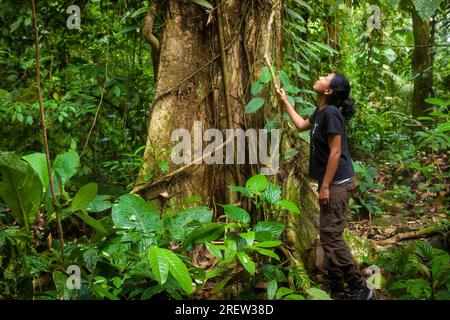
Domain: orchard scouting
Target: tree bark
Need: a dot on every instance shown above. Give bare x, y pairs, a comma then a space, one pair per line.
197, 82
332, 28
422, 63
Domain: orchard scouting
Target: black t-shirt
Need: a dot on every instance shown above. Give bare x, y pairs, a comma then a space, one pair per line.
327, 121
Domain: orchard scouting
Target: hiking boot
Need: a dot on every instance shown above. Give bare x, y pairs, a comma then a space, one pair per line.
336, 288
362, 292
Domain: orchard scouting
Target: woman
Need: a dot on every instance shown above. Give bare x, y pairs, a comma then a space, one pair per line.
331, 165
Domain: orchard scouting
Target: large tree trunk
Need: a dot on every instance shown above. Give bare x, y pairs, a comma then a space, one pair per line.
197, 83
422, 63
332, 28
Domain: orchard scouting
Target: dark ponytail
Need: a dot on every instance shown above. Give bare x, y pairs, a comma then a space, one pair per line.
340, 96
348, 108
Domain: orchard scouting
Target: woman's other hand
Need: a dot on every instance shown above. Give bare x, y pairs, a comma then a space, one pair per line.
324, 196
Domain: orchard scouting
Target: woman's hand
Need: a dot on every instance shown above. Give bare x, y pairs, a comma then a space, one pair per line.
282, 94
324, 195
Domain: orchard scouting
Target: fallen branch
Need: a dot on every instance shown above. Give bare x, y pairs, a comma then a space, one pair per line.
146, 185
427, 231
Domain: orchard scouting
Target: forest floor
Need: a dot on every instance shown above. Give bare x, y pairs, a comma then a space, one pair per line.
404, 217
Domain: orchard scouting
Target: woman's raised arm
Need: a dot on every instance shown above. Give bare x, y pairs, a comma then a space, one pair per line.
299, 122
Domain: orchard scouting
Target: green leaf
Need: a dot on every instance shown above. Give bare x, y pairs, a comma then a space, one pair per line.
248, 236
139, 12
303, 4
162, 261
268, 230
116, 90
100, 203
305, 136
213, 273
66, 165
256, 88
324, 46
60, 279
288, 205
16, 24
424, 249
265, 75
257, 183
181, 224
272, 288
436, 101
242, 190
268, 244
248, 264
38, 162
178, 270
440, 265
236, 213
12, 161
21, 192
267, 252
132, 212
214, 250
164, 166
283, 291
97, 225
209, 232
221, 284
393, 3
254, 105
127, 29
271, 194
295, 15
291, 100
90, 257
317, 294
269, 126
290, 153
443, 127
84, 196
287, 85
294, 297
426, 8
204, 4
158, 264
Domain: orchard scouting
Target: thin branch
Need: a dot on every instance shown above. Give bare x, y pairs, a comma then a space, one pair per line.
44, 129
99, 104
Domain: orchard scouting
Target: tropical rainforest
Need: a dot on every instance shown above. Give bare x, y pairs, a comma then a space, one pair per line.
93, 92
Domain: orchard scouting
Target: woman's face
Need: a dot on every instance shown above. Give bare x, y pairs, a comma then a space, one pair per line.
323, 84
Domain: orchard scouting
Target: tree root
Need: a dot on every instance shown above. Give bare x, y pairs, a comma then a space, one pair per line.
293, 261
